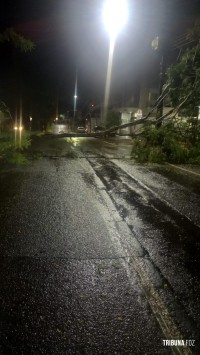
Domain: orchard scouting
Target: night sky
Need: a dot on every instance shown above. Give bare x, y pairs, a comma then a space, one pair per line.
69, 35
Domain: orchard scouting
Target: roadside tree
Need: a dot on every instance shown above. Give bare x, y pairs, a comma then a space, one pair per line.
9, 35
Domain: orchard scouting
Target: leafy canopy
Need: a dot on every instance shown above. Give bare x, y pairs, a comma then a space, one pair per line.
18, 41
183, 78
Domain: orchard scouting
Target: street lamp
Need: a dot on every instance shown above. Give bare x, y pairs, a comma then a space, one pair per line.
75, 100
31, 119
115, 14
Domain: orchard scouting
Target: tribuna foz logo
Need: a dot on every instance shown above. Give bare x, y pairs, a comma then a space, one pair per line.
178, 342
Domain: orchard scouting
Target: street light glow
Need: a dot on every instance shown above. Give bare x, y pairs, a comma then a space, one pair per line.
75, 97
115, 15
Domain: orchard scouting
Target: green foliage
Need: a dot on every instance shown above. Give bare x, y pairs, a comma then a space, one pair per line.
16, 158
49, 127
18, 41
11, 150
194, 155
140, 150
169, 143
113, 119
143, 152
3, 107
156, 155
26, 141
183, 79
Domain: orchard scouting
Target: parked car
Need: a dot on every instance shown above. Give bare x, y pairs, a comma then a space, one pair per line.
81, 129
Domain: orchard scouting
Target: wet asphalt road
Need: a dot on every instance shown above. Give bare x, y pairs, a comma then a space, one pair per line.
88, 270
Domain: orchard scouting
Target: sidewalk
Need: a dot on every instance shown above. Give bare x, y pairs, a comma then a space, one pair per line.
192, 169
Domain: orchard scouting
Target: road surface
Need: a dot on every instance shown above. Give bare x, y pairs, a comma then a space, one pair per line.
98, 255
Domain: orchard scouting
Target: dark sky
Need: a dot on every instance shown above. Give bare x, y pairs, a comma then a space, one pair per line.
69, 35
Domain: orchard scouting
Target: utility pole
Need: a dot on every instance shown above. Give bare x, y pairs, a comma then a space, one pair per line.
157, 45
75, 101
162, 81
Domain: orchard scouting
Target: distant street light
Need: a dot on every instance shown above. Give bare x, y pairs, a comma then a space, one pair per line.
31, 119
75, 100
20, 123
115, 14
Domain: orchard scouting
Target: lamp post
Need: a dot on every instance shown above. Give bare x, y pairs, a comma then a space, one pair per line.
75, 100
159, 45
20, 124
115, 14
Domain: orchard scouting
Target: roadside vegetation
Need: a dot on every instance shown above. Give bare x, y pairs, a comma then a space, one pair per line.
177, 143
12, 149
33, 145
12, 146
175, 136
9, 35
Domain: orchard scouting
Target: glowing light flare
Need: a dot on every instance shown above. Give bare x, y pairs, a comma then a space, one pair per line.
108, 78
75, 96
115, 15
20, 128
